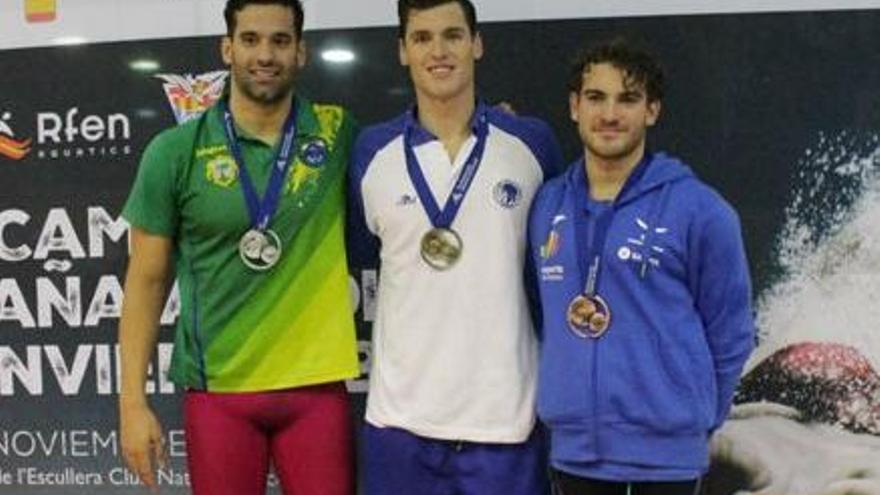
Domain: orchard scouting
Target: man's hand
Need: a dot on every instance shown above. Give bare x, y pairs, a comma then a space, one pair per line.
143, 446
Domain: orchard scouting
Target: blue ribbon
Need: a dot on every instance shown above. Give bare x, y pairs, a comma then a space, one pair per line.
444, 218
601, 226
262, 210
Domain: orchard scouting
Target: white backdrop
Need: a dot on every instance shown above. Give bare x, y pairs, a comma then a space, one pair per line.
114, 20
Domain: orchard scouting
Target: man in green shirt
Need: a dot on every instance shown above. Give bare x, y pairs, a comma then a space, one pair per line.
246, 202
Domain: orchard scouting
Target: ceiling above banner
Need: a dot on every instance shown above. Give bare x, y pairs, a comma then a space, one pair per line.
32, 23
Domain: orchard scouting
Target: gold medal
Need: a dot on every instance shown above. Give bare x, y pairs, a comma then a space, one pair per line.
441, 248
588, 316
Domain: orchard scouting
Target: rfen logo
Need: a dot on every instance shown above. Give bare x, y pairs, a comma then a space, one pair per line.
74, 135
53, 128
9, 146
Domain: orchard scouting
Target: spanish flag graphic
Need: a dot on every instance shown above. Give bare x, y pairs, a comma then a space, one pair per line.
39, 10
551, 247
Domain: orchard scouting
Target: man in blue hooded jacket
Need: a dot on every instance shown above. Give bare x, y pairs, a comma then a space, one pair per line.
645, 295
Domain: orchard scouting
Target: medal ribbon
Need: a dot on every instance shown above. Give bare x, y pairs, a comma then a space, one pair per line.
261, 210
601, 227
444, 218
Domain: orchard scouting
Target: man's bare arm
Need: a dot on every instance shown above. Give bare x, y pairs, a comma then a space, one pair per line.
146, 286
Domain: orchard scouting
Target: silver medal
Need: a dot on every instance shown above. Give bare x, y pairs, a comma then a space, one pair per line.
259, 250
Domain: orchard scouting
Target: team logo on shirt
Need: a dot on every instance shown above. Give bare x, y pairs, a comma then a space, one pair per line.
222, 171
314, 153
637, 249
507, 193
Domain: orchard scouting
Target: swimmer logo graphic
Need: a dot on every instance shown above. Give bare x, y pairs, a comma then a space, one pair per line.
11, 147
189, 96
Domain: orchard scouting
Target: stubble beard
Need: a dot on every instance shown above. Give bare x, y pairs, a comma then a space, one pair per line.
615, 152
266, 96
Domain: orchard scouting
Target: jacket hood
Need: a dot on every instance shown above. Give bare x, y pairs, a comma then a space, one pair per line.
656, 170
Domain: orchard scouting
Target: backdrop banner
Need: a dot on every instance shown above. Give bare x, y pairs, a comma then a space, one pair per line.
779, 112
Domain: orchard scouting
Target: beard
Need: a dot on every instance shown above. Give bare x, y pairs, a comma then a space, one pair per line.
615, 151
263, 94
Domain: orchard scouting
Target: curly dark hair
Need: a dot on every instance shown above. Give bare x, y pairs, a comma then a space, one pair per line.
233, 7
639, 66
405, 6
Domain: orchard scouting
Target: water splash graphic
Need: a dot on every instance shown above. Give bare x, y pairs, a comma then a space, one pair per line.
829, 252
807, 420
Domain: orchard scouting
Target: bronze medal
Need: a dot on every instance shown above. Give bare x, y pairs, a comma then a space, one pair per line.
588, 316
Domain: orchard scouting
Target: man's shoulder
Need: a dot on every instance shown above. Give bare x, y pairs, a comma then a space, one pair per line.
551, 192
326, 106
533, 132
700, 198
375, 137
330, 121
680, 174
173, 140
329, 112
517, 124
189, 128
560, 183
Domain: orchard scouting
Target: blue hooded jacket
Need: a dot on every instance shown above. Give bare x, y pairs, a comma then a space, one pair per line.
643, 398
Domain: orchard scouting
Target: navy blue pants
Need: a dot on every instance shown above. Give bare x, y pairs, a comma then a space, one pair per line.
397, 462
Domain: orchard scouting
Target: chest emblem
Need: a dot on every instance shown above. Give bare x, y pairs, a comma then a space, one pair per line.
314, 152
507, 193
644, 247
222, 171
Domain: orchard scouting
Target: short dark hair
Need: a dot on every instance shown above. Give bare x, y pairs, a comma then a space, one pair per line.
638, 65
233, 7
405, 6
